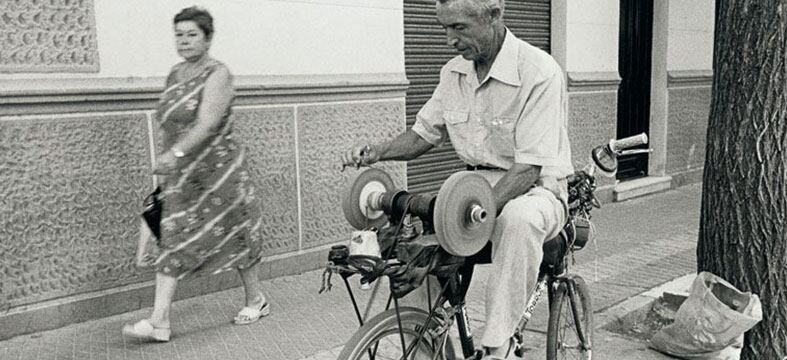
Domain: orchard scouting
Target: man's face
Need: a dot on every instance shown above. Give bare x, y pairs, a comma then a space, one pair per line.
471, 35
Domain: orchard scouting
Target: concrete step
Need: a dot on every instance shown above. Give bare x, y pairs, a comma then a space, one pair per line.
641, 186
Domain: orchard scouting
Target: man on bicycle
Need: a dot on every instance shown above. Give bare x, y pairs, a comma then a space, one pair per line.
502, 103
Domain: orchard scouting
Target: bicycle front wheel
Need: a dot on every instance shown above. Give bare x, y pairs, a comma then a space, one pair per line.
380, 338
570, 330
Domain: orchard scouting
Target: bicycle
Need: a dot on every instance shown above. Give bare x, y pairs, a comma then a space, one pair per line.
463, 209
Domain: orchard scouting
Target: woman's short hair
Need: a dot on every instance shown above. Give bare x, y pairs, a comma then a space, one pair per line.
200, 16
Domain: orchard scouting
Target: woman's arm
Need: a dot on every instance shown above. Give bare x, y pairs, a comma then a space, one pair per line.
216, 98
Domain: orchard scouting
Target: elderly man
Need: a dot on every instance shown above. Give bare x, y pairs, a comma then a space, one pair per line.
502, 103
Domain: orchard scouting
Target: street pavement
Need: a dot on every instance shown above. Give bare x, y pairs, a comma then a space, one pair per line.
640, 244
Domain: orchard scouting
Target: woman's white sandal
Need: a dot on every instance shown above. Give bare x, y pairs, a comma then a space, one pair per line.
248, 315
144, 330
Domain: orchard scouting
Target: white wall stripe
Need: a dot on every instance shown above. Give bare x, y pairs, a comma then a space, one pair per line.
73, 116
298, 177
369, 101
152, 145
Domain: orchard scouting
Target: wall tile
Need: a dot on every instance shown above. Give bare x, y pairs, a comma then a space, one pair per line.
325, 131
48, 36
69, 204
687, 127
592, 121
269, 136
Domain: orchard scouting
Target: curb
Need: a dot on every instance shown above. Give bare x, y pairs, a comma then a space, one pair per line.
635, 308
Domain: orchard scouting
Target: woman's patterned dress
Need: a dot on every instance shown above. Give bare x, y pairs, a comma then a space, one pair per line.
211, 215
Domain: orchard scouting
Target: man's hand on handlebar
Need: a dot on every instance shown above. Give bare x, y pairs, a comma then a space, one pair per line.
362, 155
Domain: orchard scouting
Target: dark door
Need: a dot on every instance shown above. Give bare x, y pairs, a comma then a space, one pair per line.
636, 35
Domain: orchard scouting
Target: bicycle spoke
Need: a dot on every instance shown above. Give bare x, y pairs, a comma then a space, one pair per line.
570, 323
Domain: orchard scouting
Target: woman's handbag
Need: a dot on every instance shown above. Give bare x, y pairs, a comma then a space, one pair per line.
152, 212
149, 229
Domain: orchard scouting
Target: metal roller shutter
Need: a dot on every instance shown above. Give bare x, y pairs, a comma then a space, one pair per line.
426, 52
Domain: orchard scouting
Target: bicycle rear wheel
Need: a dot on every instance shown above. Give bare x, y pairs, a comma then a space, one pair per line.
379, 338
570, 330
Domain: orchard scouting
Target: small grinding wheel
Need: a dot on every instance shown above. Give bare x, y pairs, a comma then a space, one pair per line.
355, 204
464, 214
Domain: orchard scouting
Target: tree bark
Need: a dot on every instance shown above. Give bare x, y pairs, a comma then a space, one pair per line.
744, 191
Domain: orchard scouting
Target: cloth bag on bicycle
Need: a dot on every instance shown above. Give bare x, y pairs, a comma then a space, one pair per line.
419, 262
711, 321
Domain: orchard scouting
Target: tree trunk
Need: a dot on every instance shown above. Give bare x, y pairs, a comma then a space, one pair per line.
744, 194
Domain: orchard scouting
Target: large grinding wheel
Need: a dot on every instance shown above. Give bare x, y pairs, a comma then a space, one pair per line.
464, 214
355, 204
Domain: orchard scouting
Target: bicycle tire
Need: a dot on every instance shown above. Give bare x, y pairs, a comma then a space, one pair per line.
386, 323
562, 321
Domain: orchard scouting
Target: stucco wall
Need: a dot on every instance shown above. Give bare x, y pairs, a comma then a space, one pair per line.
311, 76
585, 43
689, 78
592, 35
690, 35
253, 37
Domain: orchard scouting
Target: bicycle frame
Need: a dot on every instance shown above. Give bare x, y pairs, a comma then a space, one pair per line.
552, 275
453, 291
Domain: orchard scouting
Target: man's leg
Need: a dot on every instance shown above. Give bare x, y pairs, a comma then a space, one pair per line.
522, 227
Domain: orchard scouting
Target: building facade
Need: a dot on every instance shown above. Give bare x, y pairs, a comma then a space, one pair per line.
79, 81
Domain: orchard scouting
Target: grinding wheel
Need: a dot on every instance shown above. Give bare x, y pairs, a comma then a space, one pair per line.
355, 204
464, 214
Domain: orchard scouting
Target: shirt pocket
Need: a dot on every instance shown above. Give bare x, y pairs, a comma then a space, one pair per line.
458, 126
455, 117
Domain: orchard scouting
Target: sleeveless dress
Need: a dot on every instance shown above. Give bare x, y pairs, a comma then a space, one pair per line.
211, 216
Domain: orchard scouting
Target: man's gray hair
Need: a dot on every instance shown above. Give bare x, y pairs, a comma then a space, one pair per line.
480, 7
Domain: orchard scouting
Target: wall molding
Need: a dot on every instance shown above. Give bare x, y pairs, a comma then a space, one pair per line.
68, 95
579, 81
689, 78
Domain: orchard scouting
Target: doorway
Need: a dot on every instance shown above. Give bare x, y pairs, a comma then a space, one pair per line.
634, 65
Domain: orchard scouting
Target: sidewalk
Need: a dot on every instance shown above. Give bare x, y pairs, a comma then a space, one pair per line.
642, 243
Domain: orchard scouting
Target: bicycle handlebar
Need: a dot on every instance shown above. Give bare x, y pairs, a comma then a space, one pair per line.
628, 142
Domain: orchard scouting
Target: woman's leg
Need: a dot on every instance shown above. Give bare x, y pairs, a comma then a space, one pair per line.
251, 285
162, 303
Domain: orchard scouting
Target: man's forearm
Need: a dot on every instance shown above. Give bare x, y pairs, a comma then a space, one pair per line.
517, 181
407, 146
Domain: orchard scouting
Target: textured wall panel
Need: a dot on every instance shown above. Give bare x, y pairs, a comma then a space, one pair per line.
47, 36
324, 132
269, 135
69, 203
687, 127
592, 119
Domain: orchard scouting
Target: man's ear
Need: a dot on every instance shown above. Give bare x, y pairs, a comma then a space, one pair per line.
495, 14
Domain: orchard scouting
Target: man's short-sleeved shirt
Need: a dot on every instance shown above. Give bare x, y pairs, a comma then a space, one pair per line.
518, 114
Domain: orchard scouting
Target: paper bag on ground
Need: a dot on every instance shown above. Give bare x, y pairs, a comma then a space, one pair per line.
711, 322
